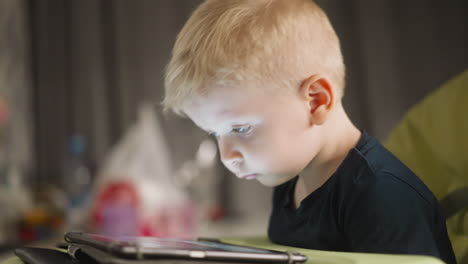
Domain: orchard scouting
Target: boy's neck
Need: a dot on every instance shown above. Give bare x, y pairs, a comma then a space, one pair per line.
339, 136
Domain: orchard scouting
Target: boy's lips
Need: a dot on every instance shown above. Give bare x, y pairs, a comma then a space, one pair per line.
249, 176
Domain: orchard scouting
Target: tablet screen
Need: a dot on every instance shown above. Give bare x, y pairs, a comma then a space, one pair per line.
170, 243
173, 248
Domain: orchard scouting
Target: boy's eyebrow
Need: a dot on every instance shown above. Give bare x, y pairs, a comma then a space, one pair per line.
235, 122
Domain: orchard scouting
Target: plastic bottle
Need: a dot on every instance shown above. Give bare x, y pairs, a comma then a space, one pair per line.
77, 182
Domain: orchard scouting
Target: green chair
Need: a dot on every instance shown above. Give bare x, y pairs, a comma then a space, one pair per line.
432, 140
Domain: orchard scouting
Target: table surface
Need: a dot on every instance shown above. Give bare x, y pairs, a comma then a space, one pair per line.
316, 256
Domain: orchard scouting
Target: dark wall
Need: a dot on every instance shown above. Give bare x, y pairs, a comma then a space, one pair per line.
396, 52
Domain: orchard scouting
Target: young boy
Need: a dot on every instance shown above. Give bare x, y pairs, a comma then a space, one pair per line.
266, 78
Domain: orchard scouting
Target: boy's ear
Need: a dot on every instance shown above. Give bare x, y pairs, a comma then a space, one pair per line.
319, 96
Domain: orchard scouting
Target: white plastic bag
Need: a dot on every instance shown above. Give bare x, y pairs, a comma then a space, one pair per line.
135, 192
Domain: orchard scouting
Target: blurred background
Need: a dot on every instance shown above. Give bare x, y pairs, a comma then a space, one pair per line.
84, 144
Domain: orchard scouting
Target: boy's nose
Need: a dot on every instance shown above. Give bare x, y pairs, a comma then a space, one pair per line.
228, 153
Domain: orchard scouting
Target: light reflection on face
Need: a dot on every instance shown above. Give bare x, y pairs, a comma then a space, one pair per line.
262, 136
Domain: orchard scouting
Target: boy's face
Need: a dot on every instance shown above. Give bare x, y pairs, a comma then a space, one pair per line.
260, 136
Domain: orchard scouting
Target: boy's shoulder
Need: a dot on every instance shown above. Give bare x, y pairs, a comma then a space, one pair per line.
362, 208
371, 170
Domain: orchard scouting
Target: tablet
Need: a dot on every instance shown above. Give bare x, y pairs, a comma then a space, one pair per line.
168, 248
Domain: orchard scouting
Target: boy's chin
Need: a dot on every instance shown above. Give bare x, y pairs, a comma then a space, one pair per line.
273, 180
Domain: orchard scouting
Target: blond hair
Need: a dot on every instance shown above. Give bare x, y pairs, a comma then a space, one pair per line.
281, 42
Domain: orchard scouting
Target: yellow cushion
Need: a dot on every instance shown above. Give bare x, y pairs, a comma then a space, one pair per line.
432, 140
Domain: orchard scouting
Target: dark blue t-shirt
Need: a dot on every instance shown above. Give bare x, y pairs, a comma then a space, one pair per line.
372, 203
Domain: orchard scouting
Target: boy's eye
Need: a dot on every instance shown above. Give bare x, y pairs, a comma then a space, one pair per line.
241, 130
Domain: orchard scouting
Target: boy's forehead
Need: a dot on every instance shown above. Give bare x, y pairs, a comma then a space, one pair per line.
211, 108
220, 100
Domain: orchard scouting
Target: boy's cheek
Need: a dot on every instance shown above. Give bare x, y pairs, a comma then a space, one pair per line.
264, 162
